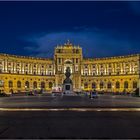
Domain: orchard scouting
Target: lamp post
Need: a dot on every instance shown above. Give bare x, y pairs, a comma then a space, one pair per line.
113, 88
25, 89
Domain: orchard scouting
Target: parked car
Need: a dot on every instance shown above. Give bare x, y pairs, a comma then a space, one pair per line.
3, 94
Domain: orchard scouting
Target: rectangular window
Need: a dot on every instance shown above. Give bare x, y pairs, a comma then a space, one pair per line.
76, 68
77, 51
58, 50
86, 66
59, 68
93, 66
59, 60
73, 60
76, 60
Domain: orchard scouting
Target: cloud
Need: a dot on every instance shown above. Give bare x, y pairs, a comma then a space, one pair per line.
95, 43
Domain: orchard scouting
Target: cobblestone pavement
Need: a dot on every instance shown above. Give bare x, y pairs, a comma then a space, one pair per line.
105, 124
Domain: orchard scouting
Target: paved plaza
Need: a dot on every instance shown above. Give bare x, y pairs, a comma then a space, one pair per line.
69, 117
66, 101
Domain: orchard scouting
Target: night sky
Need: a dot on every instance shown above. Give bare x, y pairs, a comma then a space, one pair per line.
100, 28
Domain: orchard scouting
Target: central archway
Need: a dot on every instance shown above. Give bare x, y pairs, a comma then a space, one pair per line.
68, 63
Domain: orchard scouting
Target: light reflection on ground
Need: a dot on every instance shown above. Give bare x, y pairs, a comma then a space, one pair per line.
73, 109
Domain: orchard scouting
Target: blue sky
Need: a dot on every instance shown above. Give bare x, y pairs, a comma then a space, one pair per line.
100, 28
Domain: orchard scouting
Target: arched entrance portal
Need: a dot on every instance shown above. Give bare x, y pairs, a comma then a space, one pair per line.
68, 64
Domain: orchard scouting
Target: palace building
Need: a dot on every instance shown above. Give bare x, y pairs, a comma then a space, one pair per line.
110, 74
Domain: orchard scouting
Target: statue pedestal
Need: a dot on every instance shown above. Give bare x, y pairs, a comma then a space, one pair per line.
67, 88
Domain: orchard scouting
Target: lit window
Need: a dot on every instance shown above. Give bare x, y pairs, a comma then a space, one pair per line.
35, 84
117, 84
10, 84
86, 85
18, 84
101, 85
50, 84
109, 85
93, 85
27, 84
125, 84
42, 85
134, 84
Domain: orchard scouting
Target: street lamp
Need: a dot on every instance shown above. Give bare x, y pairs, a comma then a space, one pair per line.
25, 87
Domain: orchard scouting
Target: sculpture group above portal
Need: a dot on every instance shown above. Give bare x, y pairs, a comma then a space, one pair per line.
68, 44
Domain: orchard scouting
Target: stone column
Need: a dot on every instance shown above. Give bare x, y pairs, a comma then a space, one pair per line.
121, 67
97, 69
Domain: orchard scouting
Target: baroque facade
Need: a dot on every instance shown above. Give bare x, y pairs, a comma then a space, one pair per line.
111, 74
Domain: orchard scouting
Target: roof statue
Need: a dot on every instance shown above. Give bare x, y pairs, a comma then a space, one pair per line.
68, 44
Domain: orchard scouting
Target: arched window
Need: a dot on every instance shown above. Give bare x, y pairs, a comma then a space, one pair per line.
42, 84
27, 84
93, 85
10, 84
1, 83
117, 84
109, 85
134, 84
50, 84
18, 84
125, 84
34, 84
85, 85
101, 85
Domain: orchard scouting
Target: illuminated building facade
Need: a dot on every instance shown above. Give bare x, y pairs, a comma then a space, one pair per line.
111, 74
